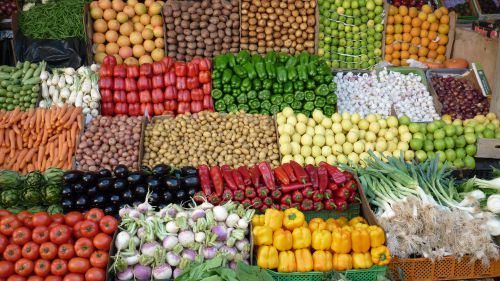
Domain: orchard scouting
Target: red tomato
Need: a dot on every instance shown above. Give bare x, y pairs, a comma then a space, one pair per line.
6, 269
21, 235
48, 251
102, 241
94, 214
30, 250
24, 267
76, 230
58, 218
52, 225
12, 253
3, 243
72, 218
28, 221
78, 265
40, 234
89, 228
16, 277
99, 259
108, 224
66, 251
95, 274
42, 268
41, 218
59, 267
84, 247
52, 278
35, 278
60, 234
74, 277
22, 215
8, 224
4, 212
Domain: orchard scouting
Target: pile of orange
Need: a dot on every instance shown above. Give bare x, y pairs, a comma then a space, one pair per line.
416, 34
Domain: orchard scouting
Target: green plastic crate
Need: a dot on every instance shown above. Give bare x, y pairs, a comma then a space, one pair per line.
369, 274
353, 210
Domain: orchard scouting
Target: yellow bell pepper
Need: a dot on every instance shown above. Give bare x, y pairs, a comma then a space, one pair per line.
347, 228
304, 260
360, 238
323, 261
282, 239
267, 257
357, 220
287, 262
317, 224
341, 241
273, 219
381, 255
301, 238
342, 221
258, 220
377, 236
321, 239
360, 225
293, 218
262, 235
342, 262
361, 260
331, 224
305, 224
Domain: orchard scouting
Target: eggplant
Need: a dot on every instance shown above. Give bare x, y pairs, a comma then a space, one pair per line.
127, 196
67, 204
190, 182
67, 191
89, 178
105, 173
136, 178
82, 203
192, 191
161, 170
72, 176
98, 201
105, 184
173, 184
155, 184
78, 188
145, 169
121, 171
119, 186
154, 197
92, 191
189, 171
181, 195
167, 197
140, 192
109, 210
115, 199
176, 174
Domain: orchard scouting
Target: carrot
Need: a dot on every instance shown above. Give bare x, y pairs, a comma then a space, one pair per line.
20, 159
73, 131
12, 139
32, 113
30, 154
69, 160
16, 130
65, 115
41, 153
2, 155
19, 141
2, 142
79, 121
72, 118
30, 142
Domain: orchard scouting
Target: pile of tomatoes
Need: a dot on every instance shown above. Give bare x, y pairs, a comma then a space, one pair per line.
43, 247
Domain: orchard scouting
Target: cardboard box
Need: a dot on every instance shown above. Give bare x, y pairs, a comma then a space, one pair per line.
488, 148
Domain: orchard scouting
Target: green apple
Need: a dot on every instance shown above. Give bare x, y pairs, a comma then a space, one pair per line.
460, 153
460, 141
370, 5
441, 156
450, 143
470, 163
450, 155
428, 145
450, 130
431, 127
421, 155
416, 144
470, 150
439, 134
439, 144
458, 163
489, 134
413, 127
470, 138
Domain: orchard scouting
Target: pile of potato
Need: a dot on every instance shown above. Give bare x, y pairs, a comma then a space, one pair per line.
109, 141
205, 28
211, 138
278, 25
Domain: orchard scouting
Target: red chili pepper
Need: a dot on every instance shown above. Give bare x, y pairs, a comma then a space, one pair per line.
196, 106
204, 174
216, 176
146, 70
308, 192
183, 95
281, 175
333, 186
227, 195
267, 200
352, 197
168, 62
287, 167
257, 203
157, 96
323, 178
110, 60
183, 107
120, 70
121, 108
106, 83
143, 83
317, 196
106, 71
145, 96
228, 177
205, 77
335, 174
238, 195
205, 64
351, 185
243, 170
255, 175
180, 83
286, 199
132, 71
134, 109
169, 79
130, 85
170, 93
250, 192
267, 175
297, 196
307, 205
180, 69
342, 193
192, 69
107, 108
119, 96
106, 95
330, 204
158, 68
294, 186
276, 194
214, 199
318, 206
199, 197
299, 172
157, 82
238, 179
313, 175
197, 94
328, 194
207, 89
341, 204
170, 106
147, 108
262, 192
158, 108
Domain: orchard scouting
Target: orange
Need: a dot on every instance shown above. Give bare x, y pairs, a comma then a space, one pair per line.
393, 10
440, 58
389, 39
405, 55
424, 33
423, 51
434, 26
406, 28
431, 18
424, 41
398, 19
390, 20
396, 62
422, 59
405, 46
389, 49
406, 37
415, 41
443, 28
443, 39
433, 45
413, 50
415, 32
445, 19
416, 22
396, 55
432, 35
390, 29
422, 16
404, 63
406, 19
425, 25
438, 13
426, 9
398, 37
413, 12
398, 29
387, 57
396, 46
432, 54
441, 50
403, 10
443, 10
413, 56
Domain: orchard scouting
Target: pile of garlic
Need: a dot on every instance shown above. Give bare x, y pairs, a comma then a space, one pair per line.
78, 87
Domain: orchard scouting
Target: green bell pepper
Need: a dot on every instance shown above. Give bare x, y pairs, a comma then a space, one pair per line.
306, 112
328, 110
226, 88
241, 98
217, 94
246, 85
267, 84
256, 58
324, 69
254, 103
332, 87
216, 74
250, 70
271, 71
228, 99
274, 109
309, 96
318, 79
257, 84
291, 73
304, 58
221, 62
277, 88
299, 95
252, 94
288, 87
270, 58
264, 95
232, 108
331, 99
281, 74
276, 99
284, 105
236, 92
240, 71
242, 57
291, 62
216, 84
327, 79
231, 60
314, 58
319, 102
310, 84
296, 105
283, 58
265, 104
288, 98
298, 85
253, 111
264, 111
309, 106
220, 106
235, 82
311, 69
322, 90
243, 107
226, 76
260, 68
302, 72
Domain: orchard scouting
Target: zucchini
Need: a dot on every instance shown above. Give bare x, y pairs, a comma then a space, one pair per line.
38, 70
4, 76
17, 74
3, 92
28, 75
32, 81
5, 83
26, 87
26, 66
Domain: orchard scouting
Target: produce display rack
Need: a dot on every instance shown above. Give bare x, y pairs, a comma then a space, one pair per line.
485, 16
369, 274
463, 18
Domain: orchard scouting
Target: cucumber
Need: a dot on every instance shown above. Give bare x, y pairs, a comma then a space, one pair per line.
32, 81
26, 66
5, 83
3, 92
26, 87
4, 76
38, 70
17, 74
28, 75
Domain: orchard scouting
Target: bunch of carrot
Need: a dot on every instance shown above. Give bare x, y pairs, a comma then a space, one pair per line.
39, 138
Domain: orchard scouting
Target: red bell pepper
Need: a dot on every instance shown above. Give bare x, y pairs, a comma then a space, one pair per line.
267, 200
281, 175
119, 84
250, 192
308, 192
214, 199
205, 64
169, 79
286, 199
247, 203
342, 193
199, 197
106, 95
157, 96
330, 205
120, 70
193, 83
317, 196
147, 107
106, 71
307, 205
130, 85
157, 82
294, 186
145, 96
228, 177
205, 77
257, 203
121, 108
168, 62
207, 89
267, 175
158, 68
180, 83
110, 60
287, 167
192, 69
134, 109
207, 102
276, 194
146, 70
183, 96
328, 194
299, 172
132, 71
238, 179
333, 186
352, 197
216, 176
183, 107
196, 106
119, 96
297, 196
243, 170
170, 93
351, 185
197, 94
180, 69
106, 83
262, 192
340, 204
107, 108
158, 108
170, 106
144, 83
227, 195
318, 206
